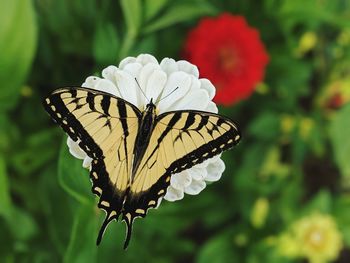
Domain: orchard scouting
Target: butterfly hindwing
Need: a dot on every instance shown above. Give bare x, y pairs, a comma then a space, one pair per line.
180, 140
106, 129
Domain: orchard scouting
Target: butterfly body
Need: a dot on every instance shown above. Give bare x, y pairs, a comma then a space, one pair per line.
144, 134
135, 153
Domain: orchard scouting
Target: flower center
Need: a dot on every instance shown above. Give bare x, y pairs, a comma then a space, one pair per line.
315, 238
227, 58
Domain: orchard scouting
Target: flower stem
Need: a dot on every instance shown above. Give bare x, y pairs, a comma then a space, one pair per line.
127, 44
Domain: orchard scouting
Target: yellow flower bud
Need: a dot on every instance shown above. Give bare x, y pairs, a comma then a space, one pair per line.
287, 123
306, 125
344, 38
26, 91
259, 212
307, 42
241, 239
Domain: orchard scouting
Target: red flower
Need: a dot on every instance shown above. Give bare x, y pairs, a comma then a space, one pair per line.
230, 54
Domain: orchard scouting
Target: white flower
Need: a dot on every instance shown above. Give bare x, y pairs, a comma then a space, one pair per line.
155, 78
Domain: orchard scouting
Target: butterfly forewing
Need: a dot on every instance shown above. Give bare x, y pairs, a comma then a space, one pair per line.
106, 129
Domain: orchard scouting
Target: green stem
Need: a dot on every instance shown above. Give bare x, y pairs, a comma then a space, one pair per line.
127, 44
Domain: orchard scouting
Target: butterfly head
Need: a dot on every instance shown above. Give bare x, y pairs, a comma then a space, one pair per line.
151, 107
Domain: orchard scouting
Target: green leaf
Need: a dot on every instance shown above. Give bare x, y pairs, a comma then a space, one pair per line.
152, 7
148, 44
179, 13
322, 202
82, 245
264, 251
220, 249
73, 178
293, 76
106, 44
22, 224
7, 132
18, 37
339, 132
58, 207
5, 199
265, 126
343, 218
24, 161
312, 14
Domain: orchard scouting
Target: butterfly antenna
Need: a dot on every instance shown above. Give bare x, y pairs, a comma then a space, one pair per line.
141, 89
169, 94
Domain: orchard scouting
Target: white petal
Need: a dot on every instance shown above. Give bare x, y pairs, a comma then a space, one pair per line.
87, 162
211, 107
194, 100
159, 202
91, 82
109, 72
106, 85
173, 194
182, 82
144, 59
195, 84
187, 67
195, 187
215, 170
169, 65
155, 84
145, 73
74, 149
180, 180
126, 61
209, 87
127, 87
198, 173
203, 164
144, 76
208, 161
133, 69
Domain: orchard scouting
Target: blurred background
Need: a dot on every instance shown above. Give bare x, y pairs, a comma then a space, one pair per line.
284, 196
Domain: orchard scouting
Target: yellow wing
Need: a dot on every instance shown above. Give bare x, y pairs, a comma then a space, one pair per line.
180, 140
105, 127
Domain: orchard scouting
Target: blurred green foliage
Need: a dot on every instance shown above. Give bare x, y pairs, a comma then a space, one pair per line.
293, 159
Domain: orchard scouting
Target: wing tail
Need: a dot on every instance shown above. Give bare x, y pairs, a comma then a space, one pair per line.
129, 221
109, 217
